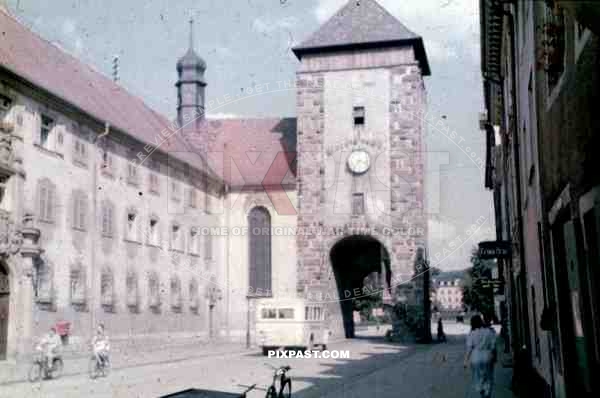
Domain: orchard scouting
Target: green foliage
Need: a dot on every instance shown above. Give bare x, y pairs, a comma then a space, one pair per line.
365, 305
476, 294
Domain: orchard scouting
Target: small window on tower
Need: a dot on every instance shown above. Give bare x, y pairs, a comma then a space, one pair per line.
359, 115
358, 203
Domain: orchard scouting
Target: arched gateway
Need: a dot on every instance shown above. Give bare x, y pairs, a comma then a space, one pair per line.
353, 258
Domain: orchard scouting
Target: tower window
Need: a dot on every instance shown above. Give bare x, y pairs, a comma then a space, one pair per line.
358, 203
359, 115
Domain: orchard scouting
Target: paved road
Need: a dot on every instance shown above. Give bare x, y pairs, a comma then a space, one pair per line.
375, 369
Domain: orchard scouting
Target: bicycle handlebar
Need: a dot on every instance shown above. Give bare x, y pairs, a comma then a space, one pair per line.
249, 389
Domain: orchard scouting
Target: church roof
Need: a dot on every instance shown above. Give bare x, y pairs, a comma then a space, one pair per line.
362, 24
250, 152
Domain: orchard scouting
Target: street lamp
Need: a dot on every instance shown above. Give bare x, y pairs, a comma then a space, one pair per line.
213, 295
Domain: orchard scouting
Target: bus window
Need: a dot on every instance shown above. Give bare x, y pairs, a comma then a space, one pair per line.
286, 313
269, 313
306, 315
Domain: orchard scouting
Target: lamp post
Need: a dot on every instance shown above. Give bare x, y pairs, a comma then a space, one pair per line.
213, 295
248, 321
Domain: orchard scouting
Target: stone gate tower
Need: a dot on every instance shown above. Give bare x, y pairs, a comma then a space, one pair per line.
360, 103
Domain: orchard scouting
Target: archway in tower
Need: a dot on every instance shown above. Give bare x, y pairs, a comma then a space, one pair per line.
355, 260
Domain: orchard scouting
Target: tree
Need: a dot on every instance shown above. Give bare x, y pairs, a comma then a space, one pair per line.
478, 294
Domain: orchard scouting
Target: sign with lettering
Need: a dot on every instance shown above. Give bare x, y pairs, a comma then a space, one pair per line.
495, 249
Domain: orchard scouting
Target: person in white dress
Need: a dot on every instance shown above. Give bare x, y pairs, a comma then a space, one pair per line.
481, 356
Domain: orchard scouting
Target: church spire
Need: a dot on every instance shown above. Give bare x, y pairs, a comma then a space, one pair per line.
191, 46
190, 85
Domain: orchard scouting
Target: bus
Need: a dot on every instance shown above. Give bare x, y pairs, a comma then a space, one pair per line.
291, 325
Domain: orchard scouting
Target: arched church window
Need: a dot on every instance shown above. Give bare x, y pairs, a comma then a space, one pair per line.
259, 223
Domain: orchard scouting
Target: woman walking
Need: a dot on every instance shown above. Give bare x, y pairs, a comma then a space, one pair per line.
481, 356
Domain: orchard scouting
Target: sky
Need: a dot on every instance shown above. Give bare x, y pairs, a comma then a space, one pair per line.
247, 42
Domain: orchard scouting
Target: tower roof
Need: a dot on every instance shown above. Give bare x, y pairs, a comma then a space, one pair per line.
362, 24
190, 59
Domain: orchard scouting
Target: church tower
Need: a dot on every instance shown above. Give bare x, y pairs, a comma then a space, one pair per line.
361, 156
190, 87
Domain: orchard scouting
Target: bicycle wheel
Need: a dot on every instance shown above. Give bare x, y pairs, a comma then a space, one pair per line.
35, 372
271, 393
286, 389
93, 368
106, 367
57, 368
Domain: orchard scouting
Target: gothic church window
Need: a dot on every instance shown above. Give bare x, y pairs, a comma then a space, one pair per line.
259, 223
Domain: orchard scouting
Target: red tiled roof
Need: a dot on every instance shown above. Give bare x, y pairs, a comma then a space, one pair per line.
250, 152
36, 60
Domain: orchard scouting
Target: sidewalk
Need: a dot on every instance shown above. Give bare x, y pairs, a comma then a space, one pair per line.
433, 371
129, 355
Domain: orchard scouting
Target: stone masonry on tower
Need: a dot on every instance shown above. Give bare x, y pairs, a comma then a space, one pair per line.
360, 99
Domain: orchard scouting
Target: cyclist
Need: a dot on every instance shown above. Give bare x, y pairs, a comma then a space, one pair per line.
49, 345
101, 345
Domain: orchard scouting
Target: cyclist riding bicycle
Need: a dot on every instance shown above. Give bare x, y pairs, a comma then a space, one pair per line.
49, 346
100, 345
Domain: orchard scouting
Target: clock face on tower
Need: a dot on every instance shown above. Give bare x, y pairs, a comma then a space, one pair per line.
359, 161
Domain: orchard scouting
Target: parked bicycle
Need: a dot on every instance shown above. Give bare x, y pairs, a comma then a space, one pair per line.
40, 369
281, 386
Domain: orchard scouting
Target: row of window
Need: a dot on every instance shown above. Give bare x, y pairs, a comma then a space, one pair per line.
135, 230
49, 139
108, 295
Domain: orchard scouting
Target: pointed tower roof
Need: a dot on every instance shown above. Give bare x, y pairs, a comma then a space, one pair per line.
190, 59
362, 24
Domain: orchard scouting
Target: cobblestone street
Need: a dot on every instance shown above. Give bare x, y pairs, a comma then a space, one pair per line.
375, 369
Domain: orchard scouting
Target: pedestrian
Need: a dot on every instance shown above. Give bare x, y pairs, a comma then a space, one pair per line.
481, 356
441, 336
